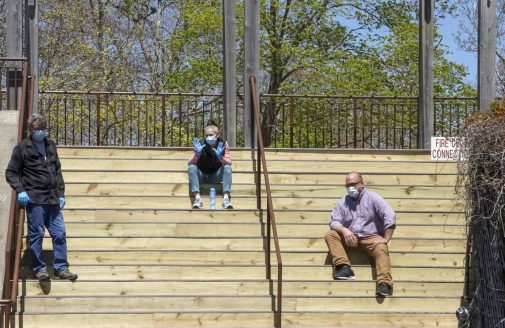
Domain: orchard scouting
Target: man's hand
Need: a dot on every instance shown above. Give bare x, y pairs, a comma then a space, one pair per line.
198, 147
349, 237
23, 199
219, 150
62, 203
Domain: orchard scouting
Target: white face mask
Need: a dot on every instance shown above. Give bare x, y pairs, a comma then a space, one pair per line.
353, 192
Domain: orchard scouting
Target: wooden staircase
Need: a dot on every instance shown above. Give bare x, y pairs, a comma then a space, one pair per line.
145, 259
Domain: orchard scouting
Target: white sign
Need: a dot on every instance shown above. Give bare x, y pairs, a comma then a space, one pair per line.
447, 149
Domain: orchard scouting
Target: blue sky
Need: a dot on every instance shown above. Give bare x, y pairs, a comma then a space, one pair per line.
449, 28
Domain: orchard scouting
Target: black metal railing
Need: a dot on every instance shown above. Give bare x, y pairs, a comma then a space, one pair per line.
287, 121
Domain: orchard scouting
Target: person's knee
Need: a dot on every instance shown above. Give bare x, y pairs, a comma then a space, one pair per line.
227, 169
331, 235
192, 169
380, 249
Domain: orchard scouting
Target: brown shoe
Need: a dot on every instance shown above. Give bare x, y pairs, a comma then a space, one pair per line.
42, 275
65, 274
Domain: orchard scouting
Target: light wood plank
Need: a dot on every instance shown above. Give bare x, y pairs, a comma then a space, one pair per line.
248, 177
130, 164
278, 190
156, 303
241, 216
225, 230
237, 287
208, 272
160, 202
249, 244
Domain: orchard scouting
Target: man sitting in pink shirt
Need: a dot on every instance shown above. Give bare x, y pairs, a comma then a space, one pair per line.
364, 220
210, 163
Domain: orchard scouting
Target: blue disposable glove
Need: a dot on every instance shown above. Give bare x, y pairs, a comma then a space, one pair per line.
62, 203
23, 199
198, 147
219, 150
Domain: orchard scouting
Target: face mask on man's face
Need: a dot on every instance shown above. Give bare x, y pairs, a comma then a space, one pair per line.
352, 191
211, 140
38, 135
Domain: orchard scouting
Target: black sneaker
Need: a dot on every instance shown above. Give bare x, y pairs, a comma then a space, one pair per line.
42, 275
66, 274
383, 289
343, 272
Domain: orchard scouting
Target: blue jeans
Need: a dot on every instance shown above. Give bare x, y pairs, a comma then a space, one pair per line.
195, 176
48, 216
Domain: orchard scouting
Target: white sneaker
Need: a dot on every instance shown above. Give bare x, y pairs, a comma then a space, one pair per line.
198, 203
227, 204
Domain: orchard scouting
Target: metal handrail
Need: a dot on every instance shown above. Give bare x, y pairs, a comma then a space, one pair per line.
270, 212
17, 214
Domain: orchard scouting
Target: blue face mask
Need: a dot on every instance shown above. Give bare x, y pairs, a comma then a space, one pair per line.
38, 135
211, 140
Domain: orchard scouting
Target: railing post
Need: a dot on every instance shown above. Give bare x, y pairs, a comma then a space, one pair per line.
98, 119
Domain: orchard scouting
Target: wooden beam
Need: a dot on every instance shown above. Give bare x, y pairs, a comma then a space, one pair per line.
230, 71
426, 108
251, 67
32, 42
486, 53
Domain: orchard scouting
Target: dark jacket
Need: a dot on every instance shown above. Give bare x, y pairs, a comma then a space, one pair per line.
39, 177
208, 162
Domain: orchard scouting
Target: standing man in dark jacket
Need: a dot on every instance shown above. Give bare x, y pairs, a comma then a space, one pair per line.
34, 171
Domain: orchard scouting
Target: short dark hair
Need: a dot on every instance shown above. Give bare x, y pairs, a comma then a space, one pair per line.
37, 118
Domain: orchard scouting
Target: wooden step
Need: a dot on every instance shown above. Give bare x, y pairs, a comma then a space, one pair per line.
242, 216
147, 303
147, 287
218, 319
150, 257
236, 287
233, 272
439, 274
160, 202
397, 244
77, 229
438, 246
278, 190
242, 153
322, 166
408, 319
335, 178
389, 304
243, 320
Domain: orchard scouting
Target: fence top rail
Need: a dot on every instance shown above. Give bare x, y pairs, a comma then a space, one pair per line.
128, 93
268, 95
12, 59
360, 96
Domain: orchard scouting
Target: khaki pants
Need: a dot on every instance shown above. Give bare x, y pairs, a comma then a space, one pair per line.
379, 253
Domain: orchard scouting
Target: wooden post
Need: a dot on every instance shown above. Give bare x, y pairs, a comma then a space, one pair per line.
426, 109
14, 48
251, 67
487, 53
32, 46
230, 71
